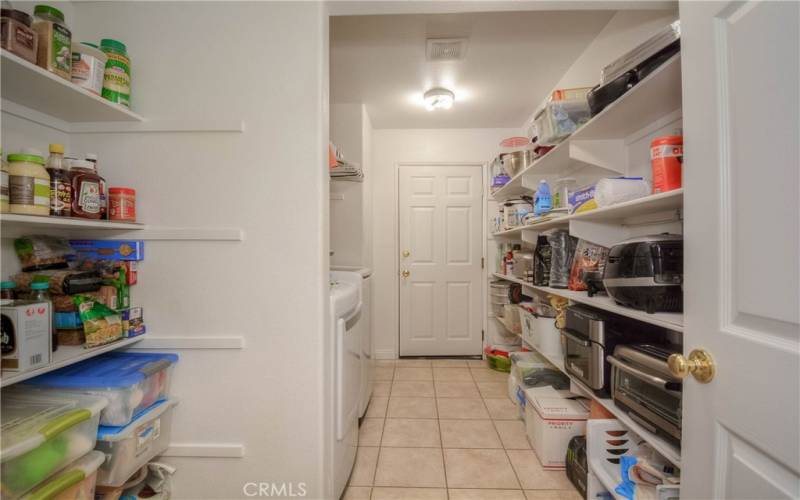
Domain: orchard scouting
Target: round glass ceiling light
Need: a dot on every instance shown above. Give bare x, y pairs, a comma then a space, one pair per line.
439, 98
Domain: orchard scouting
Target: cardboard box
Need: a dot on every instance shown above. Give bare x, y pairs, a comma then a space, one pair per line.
109, 249
26, 341
132, 321
550, 422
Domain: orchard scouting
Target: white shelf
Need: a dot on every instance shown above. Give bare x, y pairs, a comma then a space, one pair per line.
671, 200
67, 355
538, 226
661, 445
35, 88
659, 94
672, 321
38, 222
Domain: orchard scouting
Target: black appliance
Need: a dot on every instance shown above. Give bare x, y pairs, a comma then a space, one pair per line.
590, 335
577, 466
646, 273
643, 386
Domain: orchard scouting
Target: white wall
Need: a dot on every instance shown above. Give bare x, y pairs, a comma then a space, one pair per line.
264, 64
390, 148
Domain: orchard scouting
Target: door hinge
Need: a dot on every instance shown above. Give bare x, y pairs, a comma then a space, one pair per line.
483, 261
483, 335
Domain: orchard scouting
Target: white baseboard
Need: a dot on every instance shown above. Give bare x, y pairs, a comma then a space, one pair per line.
384, 354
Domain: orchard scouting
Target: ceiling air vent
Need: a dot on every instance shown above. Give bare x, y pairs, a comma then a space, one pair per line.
446, 49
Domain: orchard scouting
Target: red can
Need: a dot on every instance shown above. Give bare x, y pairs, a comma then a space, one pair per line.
666, 156
122, 204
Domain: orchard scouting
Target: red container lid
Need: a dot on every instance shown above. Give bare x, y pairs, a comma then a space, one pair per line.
667, 140
122, 190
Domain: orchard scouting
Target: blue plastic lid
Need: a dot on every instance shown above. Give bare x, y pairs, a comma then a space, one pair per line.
109, 370
104, 432
7, 285
40, 285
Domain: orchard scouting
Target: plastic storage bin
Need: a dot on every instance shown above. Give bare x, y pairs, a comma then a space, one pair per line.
131, 381
511, 318
130, 447
541, 333
74, 482
559, 119
606, 441
42, 432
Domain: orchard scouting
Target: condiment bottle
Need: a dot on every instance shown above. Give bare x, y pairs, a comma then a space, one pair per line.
60, 182
104, 194
55, 41
3, 184
8, 290
39, 293
88, 190
29, 185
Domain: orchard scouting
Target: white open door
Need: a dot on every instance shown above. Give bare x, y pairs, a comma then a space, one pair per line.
441, 215
741, 431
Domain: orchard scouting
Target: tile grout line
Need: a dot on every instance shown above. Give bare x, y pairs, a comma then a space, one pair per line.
441, 440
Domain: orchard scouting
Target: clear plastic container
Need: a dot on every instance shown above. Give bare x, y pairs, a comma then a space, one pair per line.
559, 119
561, 191
75, 482
130, 447
131, 381
41, 433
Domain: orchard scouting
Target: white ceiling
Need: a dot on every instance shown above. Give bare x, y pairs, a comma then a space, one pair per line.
513, 60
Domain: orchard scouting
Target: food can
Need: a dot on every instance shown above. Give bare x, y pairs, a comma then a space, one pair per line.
122, 204
666, 156
88, 66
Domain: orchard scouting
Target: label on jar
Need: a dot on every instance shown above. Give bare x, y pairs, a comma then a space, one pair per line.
60, 197
23, 36
24, 190
61, 53
87, 71
89, 197
117, 79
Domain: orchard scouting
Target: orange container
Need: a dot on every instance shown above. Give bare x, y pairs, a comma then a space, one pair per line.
666, 156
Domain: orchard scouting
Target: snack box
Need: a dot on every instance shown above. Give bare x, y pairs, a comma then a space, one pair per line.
74, 482
42, 432
26, 335
129, 447
68, 321
132, 321
131, 381
109, 249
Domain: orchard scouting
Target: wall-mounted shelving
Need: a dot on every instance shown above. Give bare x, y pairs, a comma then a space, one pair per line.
35, 88
67, 355
656, 96
37, 222
672, 321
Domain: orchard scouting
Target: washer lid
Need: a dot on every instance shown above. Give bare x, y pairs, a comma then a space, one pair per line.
344, 298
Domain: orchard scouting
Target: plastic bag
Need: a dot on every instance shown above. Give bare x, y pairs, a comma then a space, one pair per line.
542, 262
101, 325
589, 262
562, 249
41, 252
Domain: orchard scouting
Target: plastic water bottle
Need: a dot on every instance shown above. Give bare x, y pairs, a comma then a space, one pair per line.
543, 202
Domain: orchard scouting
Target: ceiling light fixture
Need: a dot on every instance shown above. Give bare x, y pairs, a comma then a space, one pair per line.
439, 98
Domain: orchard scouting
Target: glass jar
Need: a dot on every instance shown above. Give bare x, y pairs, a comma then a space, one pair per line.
40, 293
8, 290
88, 190
29, 185
60, 182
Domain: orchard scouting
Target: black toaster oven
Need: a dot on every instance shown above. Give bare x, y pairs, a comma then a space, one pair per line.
643, 386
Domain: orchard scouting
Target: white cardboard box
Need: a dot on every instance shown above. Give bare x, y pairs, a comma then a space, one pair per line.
26, 336
550, 422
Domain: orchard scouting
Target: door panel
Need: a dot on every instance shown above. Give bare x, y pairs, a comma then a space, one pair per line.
741, 75
440, 225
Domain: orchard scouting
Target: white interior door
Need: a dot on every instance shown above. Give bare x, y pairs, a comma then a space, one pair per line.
441, 214
741, 431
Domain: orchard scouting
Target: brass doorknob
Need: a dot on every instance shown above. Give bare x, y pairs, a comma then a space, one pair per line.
406, 273
700, 364
406, 253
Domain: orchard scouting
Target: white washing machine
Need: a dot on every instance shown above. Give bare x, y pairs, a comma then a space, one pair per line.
366, 335
346, 322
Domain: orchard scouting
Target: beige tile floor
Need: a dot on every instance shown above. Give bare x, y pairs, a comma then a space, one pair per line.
446, 430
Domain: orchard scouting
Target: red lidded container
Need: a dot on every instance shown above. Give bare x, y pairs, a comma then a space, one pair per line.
122, 204
666, 156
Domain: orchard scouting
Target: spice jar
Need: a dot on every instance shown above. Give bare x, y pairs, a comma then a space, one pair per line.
88, 190
117, 75
60, 183
122, 204
8, 290
3, 184
55, 41
17, 35
29, 185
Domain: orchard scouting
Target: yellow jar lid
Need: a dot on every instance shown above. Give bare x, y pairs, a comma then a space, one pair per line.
57, 148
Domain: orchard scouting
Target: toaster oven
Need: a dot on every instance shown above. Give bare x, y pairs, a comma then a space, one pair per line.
643, 386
